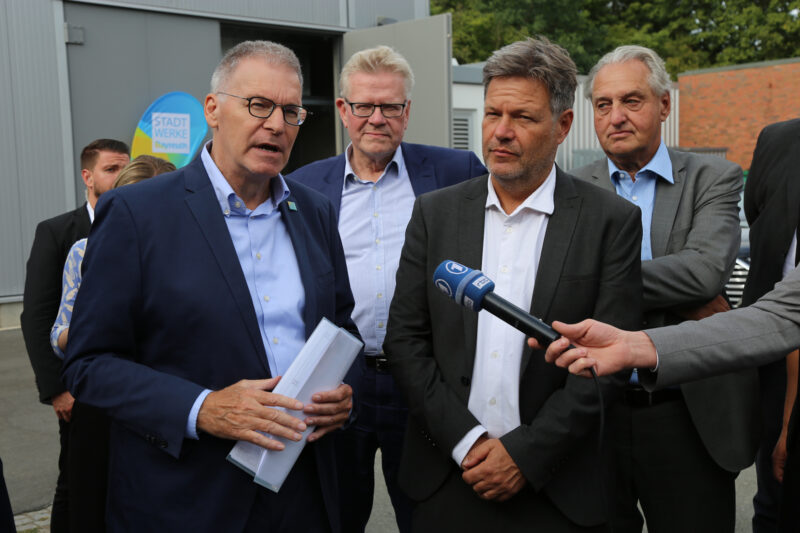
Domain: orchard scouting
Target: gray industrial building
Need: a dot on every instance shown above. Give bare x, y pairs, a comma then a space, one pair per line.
73, 71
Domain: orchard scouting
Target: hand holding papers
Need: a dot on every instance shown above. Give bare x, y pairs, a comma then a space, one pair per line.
320, 366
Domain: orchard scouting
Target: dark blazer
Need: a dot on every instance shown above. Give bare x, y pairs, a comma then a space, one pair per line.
695, 236
772, 205
164, 311
429, 168
589, 267
51, 243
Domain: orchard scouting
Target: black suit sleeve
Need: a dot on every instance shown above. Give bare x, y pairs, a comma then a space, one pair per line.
40, 306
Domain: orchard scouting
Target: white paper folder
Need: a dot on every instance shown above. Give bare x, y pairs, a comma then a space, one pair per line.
321, 365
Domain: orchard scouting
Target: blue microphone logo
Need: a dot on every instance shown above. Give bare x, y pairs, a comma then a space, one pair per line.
455, 268
443, 286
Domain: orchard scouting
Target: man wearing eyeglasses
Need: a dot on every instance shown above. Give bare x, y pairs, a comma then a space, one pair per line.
199, 289
373, 186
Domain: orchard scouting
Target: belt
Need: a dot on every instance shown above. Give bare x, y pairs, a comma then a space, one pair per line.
378, 363
638, 397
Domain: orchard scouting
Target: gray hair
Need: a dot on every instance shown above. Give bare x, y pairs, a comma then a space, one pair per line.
658, 80
273, 53
375, 60
537, 59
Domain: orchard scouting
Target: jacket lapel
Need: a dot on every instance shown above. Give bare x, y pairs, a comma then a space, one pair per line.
557, 240
665, 208
471, 219
203, 204
331, 185
600, 176
420, 170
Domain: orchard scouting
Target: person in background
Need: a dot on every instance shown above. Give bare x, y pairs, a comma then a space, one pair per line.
771, 205
87, 462
702, 433
101, 161
372, 187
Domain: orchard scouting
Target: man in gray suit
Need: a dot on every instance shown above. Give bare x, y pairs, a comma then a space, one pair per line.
496, 439
743, 338
704, 431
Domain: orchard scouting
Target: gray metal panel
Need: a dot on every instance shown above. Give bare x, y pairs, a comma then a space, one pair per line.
303, 12
128, 59
425, 43
368, 13
30, 134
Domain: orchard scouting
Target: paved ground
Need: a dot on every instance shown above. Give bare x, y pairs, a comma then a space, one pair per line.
29, 449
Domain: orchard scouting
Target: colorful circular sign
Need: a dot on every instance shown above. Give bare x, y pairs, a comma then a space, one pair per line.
172, 128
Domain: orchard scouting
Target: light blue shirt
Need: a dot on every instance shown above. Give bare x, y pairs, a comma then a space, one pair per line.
70, 283
642, 192
270, 268
372, 224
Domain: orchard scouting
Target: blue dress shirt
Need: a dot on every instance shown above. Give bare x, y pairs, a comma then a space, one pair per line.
270, 268
372, 225
642, 192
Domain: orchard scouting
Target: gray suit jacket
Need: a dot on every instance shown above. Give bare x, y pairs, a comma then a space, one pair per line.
589, 267
694, 236
743, 338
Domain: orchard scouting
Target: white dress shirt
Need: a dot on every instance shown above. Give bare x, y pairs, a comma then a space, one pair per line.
512, 246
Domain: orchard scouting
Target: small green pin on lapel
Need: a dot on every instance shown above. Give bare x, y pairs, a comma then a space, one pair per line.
292, 206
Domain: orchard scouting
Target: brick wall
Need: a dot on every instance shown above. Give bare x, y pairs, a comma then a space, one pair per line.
728, 106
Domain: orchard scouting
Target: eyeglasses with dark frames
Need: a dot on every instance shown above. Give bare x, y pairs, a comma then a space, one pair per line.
261, 107
363, 109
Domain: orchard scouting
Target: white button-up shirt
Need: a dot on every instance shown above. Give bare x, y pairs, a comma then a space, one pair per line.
512, 246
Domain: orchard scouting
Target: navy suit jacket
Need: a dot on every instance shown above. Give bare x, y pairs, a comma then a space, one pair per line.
163, 313
429, 168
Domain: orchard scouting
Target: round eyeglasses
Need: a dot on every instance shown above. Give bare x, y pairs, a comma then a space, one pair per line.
261, 107
363, 109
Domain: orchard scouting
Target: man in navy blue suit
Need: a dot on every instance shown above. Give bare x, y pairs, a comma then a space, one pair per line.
373, 186
199, 289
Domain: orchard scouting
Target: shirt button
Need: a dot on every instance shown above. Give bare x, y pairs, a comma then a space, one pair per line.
375, 215
266, 298
238, 203
380, 324
275, 340
504, 269
492, 401
634, 198
509, 229
379, 267
495, 355
227, 212
380, 295
258, 256
377, 241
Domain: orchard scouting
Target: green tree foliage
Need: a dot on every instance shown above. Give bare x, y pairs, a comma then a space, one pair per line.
687, 34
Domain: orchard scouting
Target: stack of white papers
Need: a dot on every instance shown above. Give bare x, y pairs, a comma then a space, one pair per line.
321, 365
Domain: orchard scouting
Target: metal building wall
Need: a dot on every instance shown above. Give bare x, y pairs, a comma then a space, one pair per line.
345, 14
33, 147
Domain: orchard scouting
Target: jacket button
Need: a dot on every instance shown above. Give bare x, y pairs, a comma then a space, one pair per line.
465, 381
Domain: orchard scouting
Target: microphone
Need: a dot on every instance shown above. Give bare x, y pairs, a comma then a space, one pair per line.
472, 289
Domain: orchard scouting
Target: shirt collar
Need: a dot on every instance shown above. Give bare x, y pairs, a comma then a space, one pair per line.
397, 159
90, 209
660, 165
540, 200
227, 198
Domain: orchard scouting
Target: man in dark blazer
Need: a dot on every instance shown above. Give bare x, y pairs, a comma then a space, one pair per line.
101, 161
771, 200
199, 289
377, 179
703, 433
497, 440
